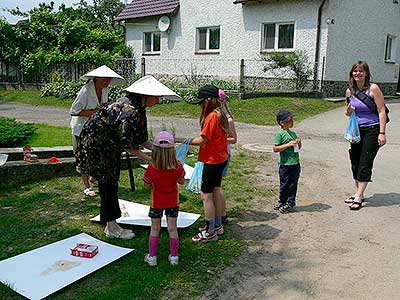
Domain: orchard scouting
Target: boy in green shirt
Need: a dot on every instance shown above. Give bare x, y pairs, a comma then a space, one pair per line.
288, 145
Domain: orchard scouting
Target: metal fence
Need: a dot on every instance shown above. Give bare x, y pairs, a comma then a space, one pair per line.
10, 74
242, 75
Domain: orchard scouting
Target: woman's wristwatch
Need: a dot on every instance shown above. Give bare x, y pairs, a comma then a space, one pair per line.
381, 132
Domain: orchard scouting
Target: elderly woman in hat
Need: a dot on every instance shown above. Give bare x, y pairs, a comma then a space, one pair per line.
114, 128
91, 97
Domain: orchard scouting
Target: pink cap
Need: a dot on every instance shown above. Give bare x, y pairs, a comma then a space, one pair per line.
164, 139
222, 96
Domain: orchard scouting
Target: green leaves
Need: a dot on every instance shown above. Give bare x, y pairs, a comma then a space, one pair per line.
82, 34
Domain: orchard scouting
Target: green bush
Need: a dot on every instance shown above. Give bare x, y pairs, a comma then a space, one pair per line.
13, 133
61, 89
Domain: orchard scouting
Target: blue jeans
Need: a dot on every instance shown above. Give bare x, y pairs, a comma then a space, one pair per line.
288, 179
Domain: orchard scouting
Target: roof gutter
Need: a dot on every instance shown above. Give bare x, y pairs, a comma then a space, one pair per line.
318, 44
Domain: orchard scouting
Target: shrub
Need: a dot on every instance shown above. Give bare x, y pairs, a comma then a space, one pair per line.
295, 61
61, 89
13, 133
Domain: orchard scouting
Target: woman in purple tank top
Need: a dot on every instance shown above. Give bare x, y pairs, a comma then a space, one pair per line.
372, 126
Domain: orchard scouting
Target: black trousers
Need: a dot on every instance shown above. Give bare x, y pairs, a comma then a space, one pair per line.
109, 207
288, 179
363, 153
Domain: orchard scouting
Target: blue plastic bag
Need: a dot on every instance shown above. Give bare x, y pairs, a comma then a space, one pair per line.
352, 133
182, 150
194, 184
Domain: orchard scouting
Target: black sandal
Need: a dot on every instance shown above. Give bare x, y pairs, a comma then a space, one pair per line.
358, 205
349, 200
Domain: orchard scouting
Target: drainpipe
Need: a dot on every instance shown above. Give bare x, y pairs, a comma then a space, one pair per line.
317, 44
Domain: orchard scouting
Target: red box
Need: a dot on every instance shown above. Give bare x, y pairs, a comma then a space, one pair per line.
84, 250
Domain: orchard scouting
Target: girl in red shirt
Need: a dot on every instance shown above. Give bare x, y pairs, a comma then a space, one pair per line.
214, 154
162, 177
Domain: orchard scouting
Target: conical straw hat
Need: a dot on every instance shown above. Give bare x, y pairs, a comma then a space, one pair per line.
150, 86
106, 72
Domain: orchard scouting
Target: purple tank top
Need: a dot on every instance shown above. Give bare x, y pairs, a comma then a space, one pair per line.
364, 115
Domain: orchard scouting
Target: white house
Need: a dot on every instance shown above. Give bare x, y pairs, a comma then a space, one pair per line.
212, 36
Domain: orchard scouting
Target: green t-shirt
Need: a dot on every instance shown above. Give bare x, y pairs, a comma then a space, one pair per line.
288, 156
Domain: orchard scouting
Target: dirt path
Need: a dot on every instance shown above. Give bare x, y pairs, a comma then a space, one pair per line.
322, 251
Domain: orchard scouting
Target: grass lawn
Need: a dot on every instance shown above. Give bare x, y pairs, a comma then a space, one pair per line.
41, 213
44, 212
50, 136
32, 97
259, 111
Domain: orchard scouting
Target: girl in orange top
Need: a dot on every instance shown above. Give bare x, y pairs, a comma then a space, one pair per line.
214, 154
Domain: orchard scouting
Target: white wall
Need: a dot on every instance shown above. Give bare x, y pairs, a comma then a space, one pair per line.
359, 33
240, 33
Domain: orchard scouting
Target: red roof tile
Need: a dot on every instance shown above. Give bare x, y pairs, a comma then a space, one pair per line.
144, 8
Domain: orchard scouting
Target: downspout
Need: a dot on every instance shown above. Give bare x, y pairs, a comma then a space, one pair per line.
317, 45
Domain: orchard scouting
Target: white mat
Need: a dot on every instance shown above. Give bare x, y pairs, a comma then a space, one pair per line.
188, 170
137, 214
43, 271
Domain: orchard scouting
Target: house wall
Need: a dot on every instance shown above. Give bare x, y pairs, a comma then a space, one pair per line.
240, 27
359, 33
354, 35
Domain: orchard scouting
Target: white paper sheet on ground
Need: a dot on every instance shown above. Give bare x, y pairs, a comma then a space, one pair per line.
43, 271
137, 214
188, 170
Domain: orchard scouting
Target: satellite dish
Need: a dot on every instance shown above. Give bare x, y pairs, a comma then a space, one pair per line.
164, 23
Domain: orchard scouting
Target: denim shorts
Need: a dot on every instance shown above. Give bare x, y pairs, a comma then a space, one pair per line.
157, 213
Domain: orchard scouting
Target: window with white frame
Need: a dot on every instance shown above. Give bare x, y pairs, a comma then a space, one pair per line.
152, 43
390, 49
277, 36
208, 39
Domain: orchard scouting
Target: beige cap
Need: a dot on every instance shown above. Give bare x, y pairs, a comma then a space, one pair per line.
105, 72
150, 86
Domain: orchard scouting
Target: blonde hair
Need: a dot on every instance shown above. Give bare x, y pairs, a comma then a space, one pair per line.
208, 106
164, 158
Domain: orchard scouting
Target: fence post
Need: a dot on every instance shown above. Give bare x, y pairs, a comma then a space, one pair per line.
241, 79
143, 67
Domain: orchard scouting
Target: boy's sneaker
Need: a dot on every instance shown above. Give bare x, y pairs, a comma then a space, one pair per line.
218, 229
286, 209
151, 260
205, 236
173, 260
278, 205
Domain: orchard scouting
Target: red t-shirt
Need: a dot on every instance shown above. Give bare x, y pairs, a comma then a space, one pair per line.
215, 151
164, 193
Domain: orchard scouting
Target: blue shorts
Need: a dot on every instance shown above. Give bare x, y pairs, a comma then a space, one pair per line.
157, 213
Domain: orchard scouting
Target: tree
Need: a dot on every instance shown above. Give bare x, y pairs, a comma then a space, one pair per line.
81, 33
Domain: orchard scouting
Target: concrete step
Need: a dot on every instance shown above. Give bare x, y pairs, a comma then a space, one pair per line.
18, 172
15, 154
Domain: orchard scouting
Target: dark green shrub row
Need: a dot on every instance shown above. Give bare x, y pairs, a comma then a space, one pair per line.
13, 133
